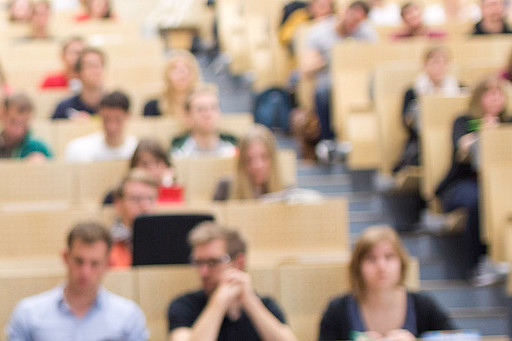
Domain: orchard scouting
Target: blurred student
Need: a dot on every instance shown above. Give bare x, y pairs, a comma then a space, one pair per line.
493, 18
202, 117
182, 74
257, 168
379, 306
113, 142
16, 140
413, 25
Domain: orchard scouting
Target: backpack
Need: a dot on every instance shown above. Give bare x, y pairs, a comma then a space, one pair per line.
272, 108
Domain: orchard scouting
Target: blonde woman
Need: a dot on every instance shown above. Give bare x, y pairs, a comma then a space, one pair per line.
459, 189
257, 168
379, 305
182, 74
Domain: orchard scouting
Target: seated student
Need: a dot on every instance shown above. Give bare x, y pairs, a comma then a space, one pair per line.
67, 78
226, 307
487, 108
39, 21
90, 70
413, 25
182, 74
150, 156
434, 79
378, 304
96, 9
16, 141
80, 308
351, 24
493, 18
297, 13
114, 142
136, 195
450, 11
202, 116
257, 168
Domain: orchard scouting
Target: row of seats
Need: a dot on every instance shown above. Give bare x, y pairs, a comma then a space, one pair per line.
59, 183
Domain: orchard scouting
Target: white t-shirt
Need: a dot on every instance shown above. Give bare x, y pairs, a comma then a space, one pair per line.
388, 15
93, 147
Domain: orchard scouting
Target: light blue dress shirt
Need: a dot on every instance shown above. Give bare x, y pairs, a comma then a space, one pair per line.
47, 317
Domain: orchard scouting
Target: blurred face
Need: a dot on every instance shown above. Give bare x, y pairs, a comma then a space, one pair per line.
114, 122
381, 267
71, 53
92, 70
98, 8
21, 10
412, 17
152, 164
258, 163
40, 15
211, 259
493, 101
352, 18
320, 8
180, 76
86, 264
16, 124
436, 67
204, 114
493, 10
138, 199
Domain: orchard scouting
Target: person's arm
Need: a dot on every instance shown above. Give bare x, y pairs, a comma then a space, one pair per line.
312, 62
267, 325
333, 325
462, 139
207, 325
429, 316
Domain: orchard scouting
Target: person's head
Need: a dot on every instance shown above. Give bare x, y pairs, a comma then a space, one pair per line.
135, 195
320, 8
214, 249
71, 49
411, 15
99, 9
151, 156
493, 10
356, 12
40, 15
257, 163
202, 109
379, 261
436, 63
86, 256
489, 98
90, 66
182, 72
114, 111
16, 117
20, 10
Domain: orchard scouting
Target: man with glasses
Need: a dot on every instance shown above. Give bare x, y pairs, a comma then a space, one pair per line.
226, 308
136, 195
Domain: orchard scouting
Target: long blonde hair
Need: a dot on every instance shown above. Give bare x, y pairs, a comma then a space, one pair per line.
243, 188
168, 103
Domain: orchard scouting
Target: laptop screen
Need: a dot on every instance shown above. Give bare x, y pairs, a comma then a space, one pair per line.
162, 239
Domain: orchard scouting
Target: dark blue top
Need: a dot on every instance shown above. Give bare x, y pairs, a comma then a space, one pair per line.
69, 106
356, 320
151, 108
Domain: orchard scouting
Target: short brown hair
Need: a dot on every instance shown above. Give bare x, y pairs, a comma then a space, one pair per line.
203, 88
152, 147
86, 51
486, 84
89, 232
135, 175
208, 231
368, 239
21, 101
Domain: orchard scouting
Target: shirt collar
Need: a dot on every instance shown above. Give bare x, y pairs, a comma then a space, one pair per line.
64, 306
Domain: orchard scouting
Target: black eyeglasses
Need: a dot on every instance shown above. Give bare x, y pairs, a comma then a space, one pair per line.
211, 262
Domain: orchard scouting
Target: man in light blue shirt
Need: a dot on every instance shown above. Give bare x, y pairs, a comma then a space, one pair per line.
80, 309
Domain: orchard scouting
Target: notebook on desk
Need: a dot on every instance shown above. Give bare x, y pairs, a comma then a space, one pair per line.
162, 239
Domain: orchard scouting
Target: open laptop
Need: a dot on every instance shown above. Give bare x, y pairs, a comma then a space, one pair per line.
162, 239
